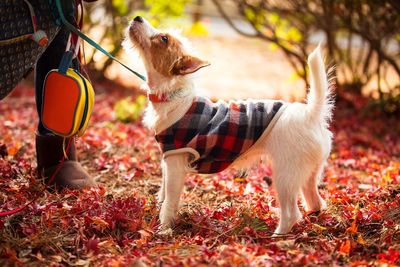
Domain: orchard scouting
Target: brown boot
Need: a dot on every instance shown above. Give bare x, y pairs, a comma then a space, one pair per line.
49, 152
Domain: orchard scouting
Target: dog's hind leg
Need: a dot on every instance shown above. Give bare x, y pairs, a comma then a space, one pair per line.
287, 181
312, 199
174, 179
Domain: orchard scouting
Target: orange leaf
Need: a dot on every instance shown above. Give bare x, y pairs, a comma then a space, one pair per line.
360, 240
345, 247
359, 263
353, 228
102, 224
12, 150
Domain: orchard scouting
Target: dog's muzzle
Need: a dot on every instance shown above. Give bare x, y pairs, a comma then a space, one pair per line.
138, 19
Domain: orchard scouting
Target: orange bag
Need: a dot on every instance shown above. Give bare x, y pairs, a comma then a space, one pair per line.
68, 100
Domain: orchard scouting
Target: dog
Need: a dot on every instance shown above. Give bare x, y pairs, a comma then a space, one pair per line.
293, 136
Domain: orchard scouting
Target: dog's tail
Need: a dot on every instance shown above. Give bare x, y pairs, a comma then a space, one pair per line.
319, 100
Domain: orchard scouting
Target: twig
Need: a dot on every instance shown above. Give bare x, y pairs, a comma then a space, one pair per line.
230, 22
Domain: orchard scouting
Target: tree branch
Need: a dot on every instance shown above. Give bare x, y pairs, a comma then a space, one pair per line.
230, 22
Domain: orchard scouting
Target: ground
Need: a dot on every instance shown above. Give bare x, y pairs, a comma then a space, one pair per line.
224, 219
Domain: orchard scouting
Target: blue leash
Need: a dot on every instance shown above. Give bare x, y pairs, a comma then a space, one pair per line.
90, 41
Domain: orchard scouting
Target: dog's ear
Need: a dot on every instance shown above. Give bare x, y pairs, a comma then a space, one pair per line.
187, 64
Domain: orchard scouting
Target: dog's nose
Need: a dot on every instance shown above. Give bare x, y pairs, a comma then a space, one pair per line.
138, 19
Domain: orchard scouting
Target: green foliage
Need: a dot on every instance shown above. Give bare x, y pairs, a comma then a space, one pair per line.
128, 110
166, 7
158, 11
198, 29
284, 30
256, 16
121, 6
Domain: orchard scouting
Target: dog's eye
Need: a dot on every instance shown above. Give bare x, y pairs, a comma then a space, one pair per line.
164, 38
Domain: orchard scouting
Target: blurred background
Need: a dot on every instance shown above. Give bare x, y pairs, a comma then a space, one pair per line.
258, 48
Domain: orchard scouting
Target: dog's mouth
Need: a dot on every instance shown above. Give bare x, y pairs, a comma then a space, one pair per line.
137, 39
135, 32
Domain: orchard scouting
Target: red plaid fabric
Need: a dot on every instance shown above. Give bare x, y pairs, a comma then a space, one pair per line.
218, 133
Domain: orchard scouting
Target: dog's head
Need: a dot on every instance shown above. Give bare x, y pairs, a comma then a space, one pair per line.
166, 55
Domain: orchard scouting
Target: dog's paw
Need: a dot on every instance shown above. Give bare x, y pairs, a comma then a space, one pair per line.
165, 229
283, 230
167, 216
286, 224
317, 207
168, 232
280, 232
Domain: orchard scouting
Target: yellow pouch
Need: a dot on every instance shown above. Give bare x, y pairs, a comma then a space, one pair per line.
67, 105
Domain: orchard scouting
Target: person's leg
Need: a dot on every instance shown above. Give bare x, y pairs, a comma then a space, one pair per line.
49, 147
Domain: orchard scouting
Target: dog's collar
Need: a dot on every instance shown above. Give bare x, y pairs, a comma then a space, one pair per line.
166, 97
156, 98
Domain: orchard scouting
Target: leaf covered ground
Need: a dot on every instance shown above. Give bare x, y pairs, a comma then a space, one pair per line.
224, 220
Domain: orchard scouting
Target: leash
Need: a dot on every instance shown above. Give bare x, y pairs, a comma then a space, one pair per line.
51, 180
90, 41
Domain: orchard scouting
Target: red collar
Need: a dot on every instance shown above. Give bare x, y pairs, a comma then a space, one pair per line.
155, 98
165, 97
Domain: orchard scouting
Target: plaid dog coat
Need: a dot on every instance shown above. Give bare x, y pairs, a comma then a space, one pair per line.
218, 133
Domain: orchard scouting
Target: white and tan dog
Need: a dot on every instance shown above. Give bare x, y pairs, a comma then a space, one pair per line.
297, 145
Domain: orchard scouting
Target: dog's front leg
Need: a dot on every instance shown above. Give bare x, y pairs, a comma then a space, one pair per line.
161, 193
174, 179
